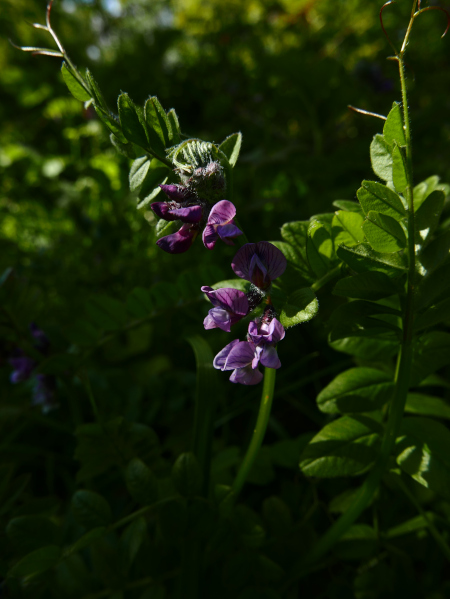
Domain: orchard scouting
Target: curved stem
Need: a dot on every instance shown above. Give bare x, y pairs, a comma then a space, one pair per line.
259, 432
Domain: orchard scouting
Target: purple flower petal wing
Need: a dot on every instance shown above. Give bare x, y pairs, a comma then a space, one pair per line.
242, 259
174, 192
269, 357
241, 355
209, 237
273, 259
221, 213
230, 299
178, 242
162, 210
276, 331
218, 318
246, 376
190, 214
226, 232
258, 273
221, 358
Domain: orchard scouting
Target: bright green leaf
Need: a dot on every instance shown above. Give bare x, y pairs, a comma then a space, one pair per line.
346, 447
384, 233
393, 131
156, 175
231, 147
138, 172
346, 228
399, 168
158, 125
110, 121
95, 91
347, 205
381, 158
175, 130
319, 248
356, 390
367, 285
131, 120
362, 258
301, 306
379, 198
75, 87
427, 405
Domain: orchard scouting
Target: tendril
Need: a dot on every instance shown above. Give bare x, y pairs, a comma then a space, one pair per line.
382, 25
421, 10
367, 113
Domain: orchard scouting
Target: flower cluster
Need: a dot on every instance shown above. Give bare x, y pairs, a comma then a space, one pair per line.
194, 214
23, 370
259, 263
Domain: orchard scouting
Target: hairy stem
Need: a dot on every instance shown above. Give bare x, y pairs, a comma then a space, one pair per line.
259, 432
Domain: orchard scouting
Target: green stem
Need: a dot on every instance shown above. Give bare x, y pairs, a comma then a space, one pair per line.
326, 278
259, 432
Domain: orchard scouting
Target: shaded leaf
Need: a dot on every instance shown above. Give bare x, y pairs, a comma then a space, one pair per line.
75, 87
363, 258
427, 405
399, 168
319, 248
174, 131
132, 121
37, 562
231, 147
158, 125
367, 285
90, 509
393, 131
141, 482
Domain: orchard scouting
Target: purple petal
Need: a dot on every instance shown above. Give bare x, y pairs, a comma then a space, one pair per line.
240, 355
178, 242
246, 376
226, 232
221, 213
269, 357
190, 214
209, 237
23, 366
273, 259
221, 358
258, 273
176, 193
218, 318
233, 300
162, 210
276, 331
241, 260
266, 333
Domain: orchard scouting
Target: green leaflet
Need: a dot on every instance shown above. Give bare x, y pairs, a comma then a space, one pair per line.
110, 121
399, 168
433, 287
362, 258
300, 306
233, 284
138, 172
431, 352
132, 122
346, 447
384, 233
429, 212
90, 509
347, 205
356, 390
132, 539
427, 405
436, 252
174, 130
86, 540
37, 562
393, 130
367, 285
126, 149
381, 158
379, 198
423, 452
356, 318
158, 125
74, 86
346, 228
231, 147
95, 91
141, 482
366, 348
440, 312
139, 302
27, 533
320, 248
147, 178
106, 312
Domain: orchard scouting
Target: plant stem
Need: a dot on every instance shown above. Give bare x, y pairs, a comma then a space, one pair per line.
403, 371
259, 432
326, 278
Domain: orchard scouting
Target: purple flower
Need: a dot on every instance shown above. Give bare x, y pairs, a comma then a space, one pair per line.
178, 242
220, 225
260, 263
44, 392
42, 342
230, 305
239, 356
244, 357
22, 365
171, 211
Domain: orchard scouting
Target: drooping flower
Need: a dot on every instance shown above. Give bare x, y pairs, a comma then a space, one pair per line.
178, 242
230, 305
220, 225
239, 356
22, 367
244, 357
260, 263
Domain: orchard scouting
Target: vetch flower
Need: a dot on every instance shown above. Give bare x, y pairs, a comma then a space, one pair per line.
22, 365
239, 356
44, 392
220, 225
260, 263
178, 242
230, 305
265, 335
